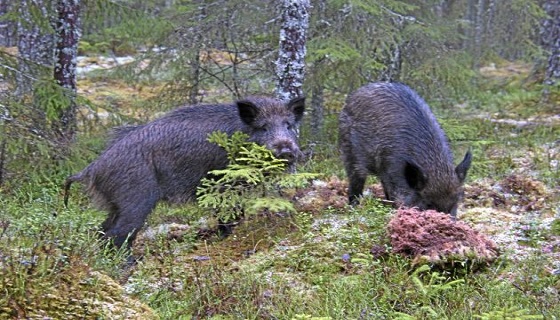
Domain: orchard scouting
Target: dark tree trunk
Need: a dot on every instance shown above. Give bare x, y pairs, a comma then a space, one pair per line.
470, 16
2, 159
66, 51
490, 26
8, 36
290, 66
550, 37
195, 65
35, 45
317, 112
195, 77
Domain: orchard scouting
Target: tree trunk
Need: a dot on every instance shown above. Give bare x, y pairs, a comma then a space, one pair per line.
195, 65
7, 28
66, 51
317, 112
550, 37
490, 16
479, 33
194, 77
471, 18
290, 66
35, 46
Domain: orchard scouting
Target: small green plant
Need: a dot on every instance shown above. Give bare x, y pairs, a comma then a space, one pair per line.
509, 314
555, 227
252, 182
308, 317
428, 287
435, 284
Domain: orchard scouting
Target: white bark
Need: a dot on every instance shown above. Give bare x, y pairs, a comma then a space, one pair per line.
479, 31
290, 66
35, 46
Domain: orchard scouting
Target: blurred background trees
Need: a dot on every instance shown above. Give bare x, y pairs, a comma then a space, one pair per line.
550, 37
196, 51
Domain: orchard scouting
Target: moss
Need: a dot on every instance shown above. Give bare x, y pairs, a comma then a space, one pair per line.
73, 291
555, 227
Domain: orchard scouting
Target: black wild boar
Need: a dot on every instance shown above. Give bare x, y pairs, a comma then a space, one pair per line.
386, 129
165, 159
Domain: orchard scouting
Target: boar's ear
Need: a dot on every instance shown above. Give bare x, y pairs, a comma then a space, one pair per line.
248, 111
463, 167
297, 106
414, 176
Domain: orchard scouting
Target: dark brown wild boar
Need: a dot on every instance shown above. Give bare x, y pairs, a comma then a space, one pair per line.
386, 129
165, 159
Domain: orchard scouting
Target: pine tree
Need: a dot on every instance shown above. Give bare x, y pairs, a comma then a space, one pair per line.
66, 52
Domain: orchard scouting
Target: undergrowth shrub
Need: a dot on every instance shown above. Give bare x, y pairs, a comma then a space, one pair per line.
251, 183
46, 254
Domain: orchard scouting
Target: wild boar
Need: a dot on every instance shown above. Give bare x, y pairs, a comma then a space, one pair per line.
165, 159
388, 130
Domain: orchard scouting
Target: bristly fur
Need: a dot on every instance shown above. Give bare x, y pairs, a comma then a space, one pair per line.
165, 159
387, 129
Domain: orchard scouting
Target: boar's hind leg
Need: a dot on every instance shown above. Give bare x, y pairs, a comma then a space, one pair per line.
356, 178
129, 216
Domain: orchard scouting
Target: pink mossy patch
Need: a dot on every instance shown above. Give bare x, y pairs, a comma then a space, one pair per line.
433, 237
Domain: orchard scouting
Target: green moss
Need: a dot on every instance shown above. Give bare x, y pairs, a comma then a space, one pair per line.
555, 227
68, 289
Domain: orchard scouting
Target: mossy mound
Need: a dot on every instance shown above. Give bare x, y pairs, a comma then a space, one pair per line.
71, 290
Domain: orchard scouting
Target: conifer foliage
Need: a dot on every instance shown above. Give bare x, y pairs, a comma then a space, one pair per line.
251, 183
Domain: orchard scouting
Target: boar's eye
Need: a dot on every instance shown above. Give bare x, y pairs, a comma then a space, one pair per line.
262, 129
289, 126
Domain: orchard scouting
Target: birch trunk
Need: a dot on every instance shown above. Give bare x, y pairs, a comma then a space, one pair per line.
479, 32
290, 66
35, 46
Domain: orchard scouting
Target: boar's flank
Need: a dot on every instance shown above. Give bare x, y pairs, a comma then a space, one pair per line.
386, 129
165, 159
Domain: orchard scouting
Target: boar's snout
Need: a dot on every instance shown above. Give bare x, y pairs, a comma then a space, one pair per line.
286, 150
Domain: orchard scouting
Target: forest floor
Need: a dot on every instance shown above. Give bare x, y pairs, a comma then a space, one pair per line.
519, 208
326, 261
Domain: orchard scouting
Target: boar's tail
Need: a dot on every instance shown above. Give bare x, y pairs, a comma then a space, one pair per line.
67, 185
